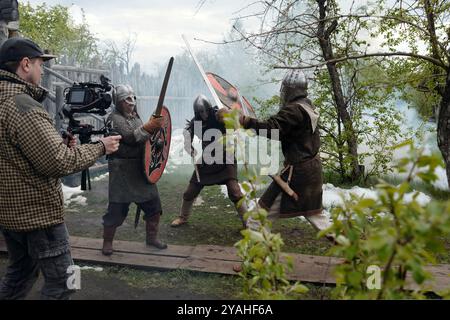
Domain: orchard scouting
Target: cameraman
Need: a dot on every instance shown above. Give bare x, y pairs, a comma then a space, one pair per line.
127, 182
32, 159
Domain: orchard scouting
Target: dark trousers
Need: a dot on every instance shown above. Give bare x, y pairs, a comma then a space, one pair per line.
45, 250
118, 212
194, 188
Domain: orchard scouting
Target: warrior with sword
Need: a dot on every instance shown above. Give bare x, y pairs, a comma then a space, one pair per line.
297, 190
127, 182
207, 174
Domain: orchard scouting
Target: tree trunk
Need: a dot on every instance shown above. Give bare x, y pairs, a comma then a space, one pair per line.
327, 52
443, 126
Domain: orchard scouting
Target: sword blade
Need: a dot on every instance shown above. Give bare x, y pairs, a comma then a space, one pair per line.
138, 215
164, 88
202, 72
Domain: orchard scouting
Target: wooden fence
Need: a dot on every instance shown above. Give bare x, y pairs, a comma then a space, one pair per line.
58, 77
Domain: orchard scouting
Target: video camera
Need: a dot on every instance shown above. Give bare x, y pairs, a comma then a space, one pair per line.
87, 98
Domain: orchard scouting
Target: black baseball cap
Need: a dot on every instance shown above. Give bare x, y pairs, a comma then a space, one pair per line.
17, 48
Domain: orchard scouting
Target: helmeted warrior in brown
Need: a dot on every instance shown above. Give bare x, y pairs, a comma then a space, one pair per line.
127, 182
297, 122
207, 174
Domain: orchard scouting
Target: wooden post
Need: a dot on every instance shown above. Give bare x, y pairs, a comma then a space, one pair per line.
59, 105
47, 83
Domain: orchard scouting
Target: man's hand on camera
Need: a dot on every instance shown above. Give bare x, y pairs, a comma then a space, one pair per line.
153, 124
111, 143
70, 140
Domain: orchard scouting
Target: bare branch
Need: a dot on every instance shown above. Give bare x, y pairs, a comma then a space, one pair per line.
368, 55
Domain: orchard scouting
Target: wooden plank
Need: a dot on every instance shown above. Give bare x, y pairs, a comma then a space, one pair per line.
127, 259
216, 252
218, 259
208, 265
440, 281
132, 247
315, 269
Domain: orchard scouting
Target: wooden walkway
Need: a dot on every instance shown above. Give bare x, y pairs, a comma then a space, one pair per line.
214, 259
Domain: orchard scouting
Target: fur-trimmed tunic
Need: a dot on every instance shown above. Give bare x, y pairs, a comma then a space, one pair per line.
300, 145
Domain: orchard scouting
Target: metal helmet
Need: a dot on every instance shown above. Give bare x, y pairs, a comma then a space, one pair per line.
124, 92
294, 85
201, 105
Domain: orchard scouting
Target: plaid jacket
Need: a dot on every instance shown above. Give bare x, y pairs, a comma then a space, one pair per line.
32, 158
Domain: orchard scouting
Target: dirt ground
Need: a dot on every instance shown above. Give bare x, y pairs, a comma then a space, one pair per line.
98, 286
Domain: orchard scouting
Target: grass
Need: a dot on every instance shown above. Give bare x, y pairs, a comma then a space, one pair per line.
215, 286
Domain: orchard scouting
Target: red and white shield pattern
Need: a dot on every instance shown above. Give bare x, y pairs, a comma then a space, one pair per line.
229, 95
157, 149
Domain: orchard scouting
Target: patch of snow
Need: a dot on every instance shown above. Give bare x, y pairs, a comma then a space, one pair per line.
97, 269
72, 195
70, 192
101, 177
80, 200
198, 201
334, 196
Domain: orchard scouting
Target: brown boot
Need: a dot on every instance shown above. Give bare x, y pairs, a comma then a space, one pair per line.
185, 212
108, 237
151, 228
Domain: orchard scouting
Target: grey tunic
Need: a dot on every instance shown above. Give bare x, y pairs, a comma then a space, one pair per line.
127, 181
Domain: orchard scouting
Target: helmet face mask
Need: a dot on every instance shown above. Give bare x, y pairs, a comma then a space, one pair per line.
283, 94
131, 100
124, 92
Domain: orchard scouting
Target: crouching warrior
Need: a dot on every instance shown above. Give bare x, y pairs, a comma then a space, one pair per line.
127, 181
297, 191
207, 174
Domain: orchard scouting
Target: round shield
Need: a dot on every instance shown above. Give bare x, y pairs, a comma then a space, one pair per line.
229, 95
251, 111
157, 149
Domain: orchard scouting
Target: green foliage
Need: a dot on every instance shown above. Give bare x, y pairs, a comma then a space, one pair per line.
267, 107
376, 123
395, 233
419, 81
263, 271
53, 28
